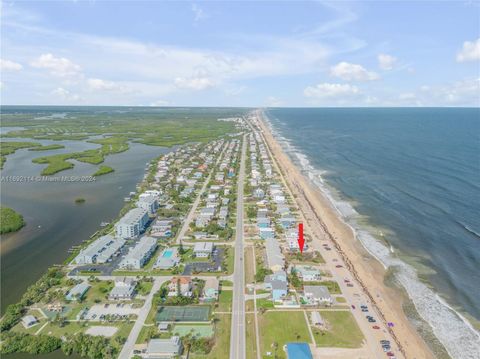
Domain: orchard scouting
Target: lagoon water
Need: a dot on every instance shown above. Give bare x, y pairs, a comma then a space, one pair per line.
54, 222
408, 181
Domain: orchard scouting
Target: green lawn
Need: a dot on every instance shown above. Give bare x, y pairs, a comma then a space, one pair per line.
264, 303
343, 331
225, 301
280, 328
144, 287
251, 345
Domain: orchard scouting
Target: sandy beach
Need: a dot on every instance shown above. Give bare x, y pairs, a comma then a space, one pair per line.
322, 220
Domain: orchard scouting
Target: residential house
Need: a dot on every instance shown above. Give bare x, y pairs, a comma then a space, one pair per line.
210, 289
78, 291
29, 321
317, 294
277, 284
124, 289
182, 284
164, 348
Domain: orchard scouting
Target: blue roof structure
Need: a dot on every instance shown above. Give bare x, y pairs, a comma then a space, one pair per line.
298, 351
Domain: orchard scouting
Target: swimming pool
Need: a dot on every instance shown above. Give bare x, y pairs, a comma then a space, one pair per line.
167, 253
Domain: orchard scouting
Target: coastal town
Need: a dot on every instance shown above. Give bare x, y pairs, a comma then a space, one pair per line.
204, 262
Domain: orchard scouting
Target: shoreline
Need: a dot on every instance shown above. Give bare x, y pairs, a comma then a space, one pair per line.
360, 262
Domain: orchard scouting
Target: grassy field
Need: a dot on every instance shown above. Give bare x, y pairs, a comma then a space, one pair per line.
278, 328
221, 349
10, 221
225, 301
251, 345
343, 331
249, 273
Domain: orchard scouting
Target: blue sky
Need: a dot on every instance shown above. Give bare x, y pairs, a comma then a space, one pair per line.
240, 53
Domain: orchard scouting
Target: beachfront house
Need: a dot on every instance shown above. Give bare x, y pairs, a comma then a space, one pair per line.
164, 348
307, 273
132, 223
316, 295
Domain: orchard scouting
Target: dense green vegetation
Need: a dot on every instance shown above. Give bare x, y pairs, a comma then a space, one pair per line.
57, 163
10, 221
20, 342
47, 147
103, 170
34, 293
79, 200
8, 148
165, 127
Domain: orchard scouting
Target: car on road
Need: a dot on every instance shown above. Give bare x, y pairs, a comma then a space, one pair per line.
353, 307
339, 266
390, 354
349, 285
376, 327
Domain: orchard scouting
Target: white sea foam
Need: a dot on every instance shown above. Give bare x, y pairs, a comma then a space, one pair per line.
455, 332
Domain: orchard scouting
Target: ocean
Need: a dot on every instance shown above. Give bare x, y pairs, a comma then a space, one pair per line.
407, 181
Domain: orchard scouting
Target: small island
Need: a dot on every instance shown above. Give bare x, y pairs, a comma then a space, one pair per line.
80, 200
103, 170
10, 221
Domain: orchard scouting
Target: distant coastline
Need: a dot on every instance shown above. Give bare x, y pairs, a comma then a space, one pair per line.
439, 317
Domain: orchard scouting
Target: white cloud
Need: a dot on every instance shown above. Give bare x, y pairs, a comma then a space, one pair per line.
198, 13
273, 102
196, 83
7, 65
352, 72
59, 66
470, 51
65, 95
103, 85
329, 90
386, 62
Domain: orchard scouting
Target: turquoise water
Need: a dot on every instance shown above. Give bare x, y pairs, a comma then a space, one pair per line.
167, 254
406, 178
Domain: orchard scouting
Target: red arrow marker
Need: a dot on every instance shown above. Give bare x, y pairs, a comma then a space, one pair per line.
301, 240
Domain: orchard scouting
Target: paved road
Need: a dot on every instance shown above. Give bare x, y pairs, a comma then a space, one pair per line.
237, 334
191, 214
127, 350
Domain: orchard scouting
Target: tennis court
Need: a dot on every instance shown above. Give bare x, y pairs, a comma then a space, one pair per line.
196, 331
183, 314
